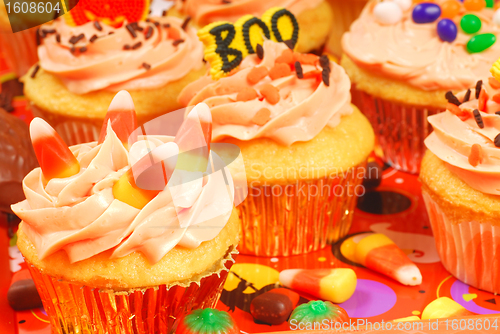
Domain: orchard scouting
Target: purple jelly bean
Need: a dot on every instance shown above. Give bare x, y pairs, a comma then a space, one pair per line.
447, 30
426, 12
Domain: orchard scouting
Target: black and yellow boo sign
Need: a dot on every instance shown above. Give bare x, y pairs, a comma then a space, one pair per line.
226, 44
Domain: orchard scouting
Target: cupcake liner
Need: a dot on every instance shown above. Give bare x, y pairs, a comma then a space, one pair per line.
400, 129
344, 13
73, 308
298, 218
468, 250
20, 50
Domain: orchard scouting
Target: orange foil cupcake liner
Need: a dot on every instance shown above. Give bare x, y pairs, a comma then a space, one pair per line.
468, 250
20, 50
400, 129
73, 308
298, 218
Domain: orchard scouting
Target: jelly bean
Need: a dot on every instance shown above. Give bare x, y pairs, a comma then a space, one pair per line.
480, 42
470, 23
447, 30
490, 3
318, 312
450, 9
387, 12
121, 115
426, 12
22, 295
54, 157
403, 4
275, 306
474, 5
336, 285
444, 307
373, 176
496, 17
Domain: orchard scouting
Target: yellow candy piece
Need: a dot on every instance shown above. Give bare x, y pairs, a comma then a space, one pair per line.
495, 70
126, 191
410, 318
368, 244
339, 286
444, 307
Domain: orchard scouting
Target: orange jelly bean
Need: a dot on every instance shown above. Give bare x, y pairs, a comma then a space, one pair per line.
450, 9
474, 5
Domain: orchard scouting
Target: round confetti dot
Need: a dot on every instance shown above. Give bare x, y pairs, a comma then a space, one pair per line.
470, 23
383, 202
415, 312
480, 42
474, 5
22, 321
387, 12
447, 30
426, 13
450, 9
322, 259
274, 259
399, 180
421, 291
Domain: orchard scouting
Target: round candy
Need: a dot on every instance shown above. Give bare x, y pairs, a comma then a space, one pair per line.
475, 5
470, 23
403, 4
387, 12
496, 17
426, 12
450, 9
490, 3
480, 42
447, 30
317, 311
207, 321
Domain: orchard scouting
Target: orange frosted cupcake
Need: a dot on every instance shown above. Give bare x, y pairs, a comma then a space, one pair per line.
461, 185
82, 67
107, 256
303, 144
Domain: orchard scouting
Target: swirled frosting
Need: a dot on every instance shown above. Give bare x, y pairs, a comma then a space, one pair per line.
80, 215
454, 136
116, 60
305, 106
413, 53
204, 12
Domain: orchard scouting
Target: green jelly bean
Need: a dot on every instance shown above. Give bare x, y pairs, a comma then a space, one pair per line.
470, 23
490, 3
480, 42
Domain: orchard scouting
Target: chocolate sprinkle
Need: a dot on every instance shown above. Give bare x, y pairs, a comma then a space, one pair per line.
58, 38
185, 23
166, 25
466, 96
146, 66
93, 38
298, 70
325, 75
73, 49
136, 26
479, 85
131, 30
149, 33
164, 13
324, 61
289, 43
497, 140
136, 45
111, 33
83, 49
260, 51
452, 98
177, 42
156, 23
35, 71
38, 37
48, 31
126, 47
478, 118
76, 39
97, 25
226, 1
497, 112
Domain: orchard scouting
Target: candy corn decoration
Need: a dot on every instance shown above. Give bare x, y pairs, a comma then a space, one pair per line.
377, 252
444, 307
317, 311
110, 12
121, 115
410, 318
54, 157
495, 70
207, 321
336, 285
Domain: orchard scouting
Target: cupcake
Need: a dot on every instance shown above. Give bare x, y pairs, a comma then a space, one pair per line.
303, 144
461, 185
402, 61
82, 67
110, 257
314, 14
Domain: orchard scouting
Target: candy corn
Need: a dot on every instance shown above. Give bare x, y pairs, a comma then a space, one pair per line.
410, 318
54, 157
121, 114
444, 307
336, 285
193, 138
377, 252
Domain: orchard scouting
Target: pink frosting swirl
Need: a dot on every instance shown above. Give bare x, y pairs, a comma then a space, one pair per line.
207, 11
80, 215
454, 136
414, 53
305, 106
149, 62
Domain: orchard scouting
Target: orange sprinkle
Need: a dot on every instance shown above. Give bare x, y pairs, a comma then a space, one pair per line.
493, 82
313, 74
286, 57
450, 9
476, 155
463, 115
262, 116
257, 74
247, 94
474, 5
305, 59
496, 98
280, 70
173, 34
483, 98
271, 93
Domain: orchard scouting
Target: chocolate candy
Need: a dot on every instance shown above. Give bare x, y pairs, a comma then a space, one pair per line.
275, 306
373, 175
22, 295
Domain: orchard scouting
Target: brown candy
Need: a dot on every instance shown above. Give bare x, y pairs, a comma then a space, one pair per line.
274, 307
373, 175
22, 295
